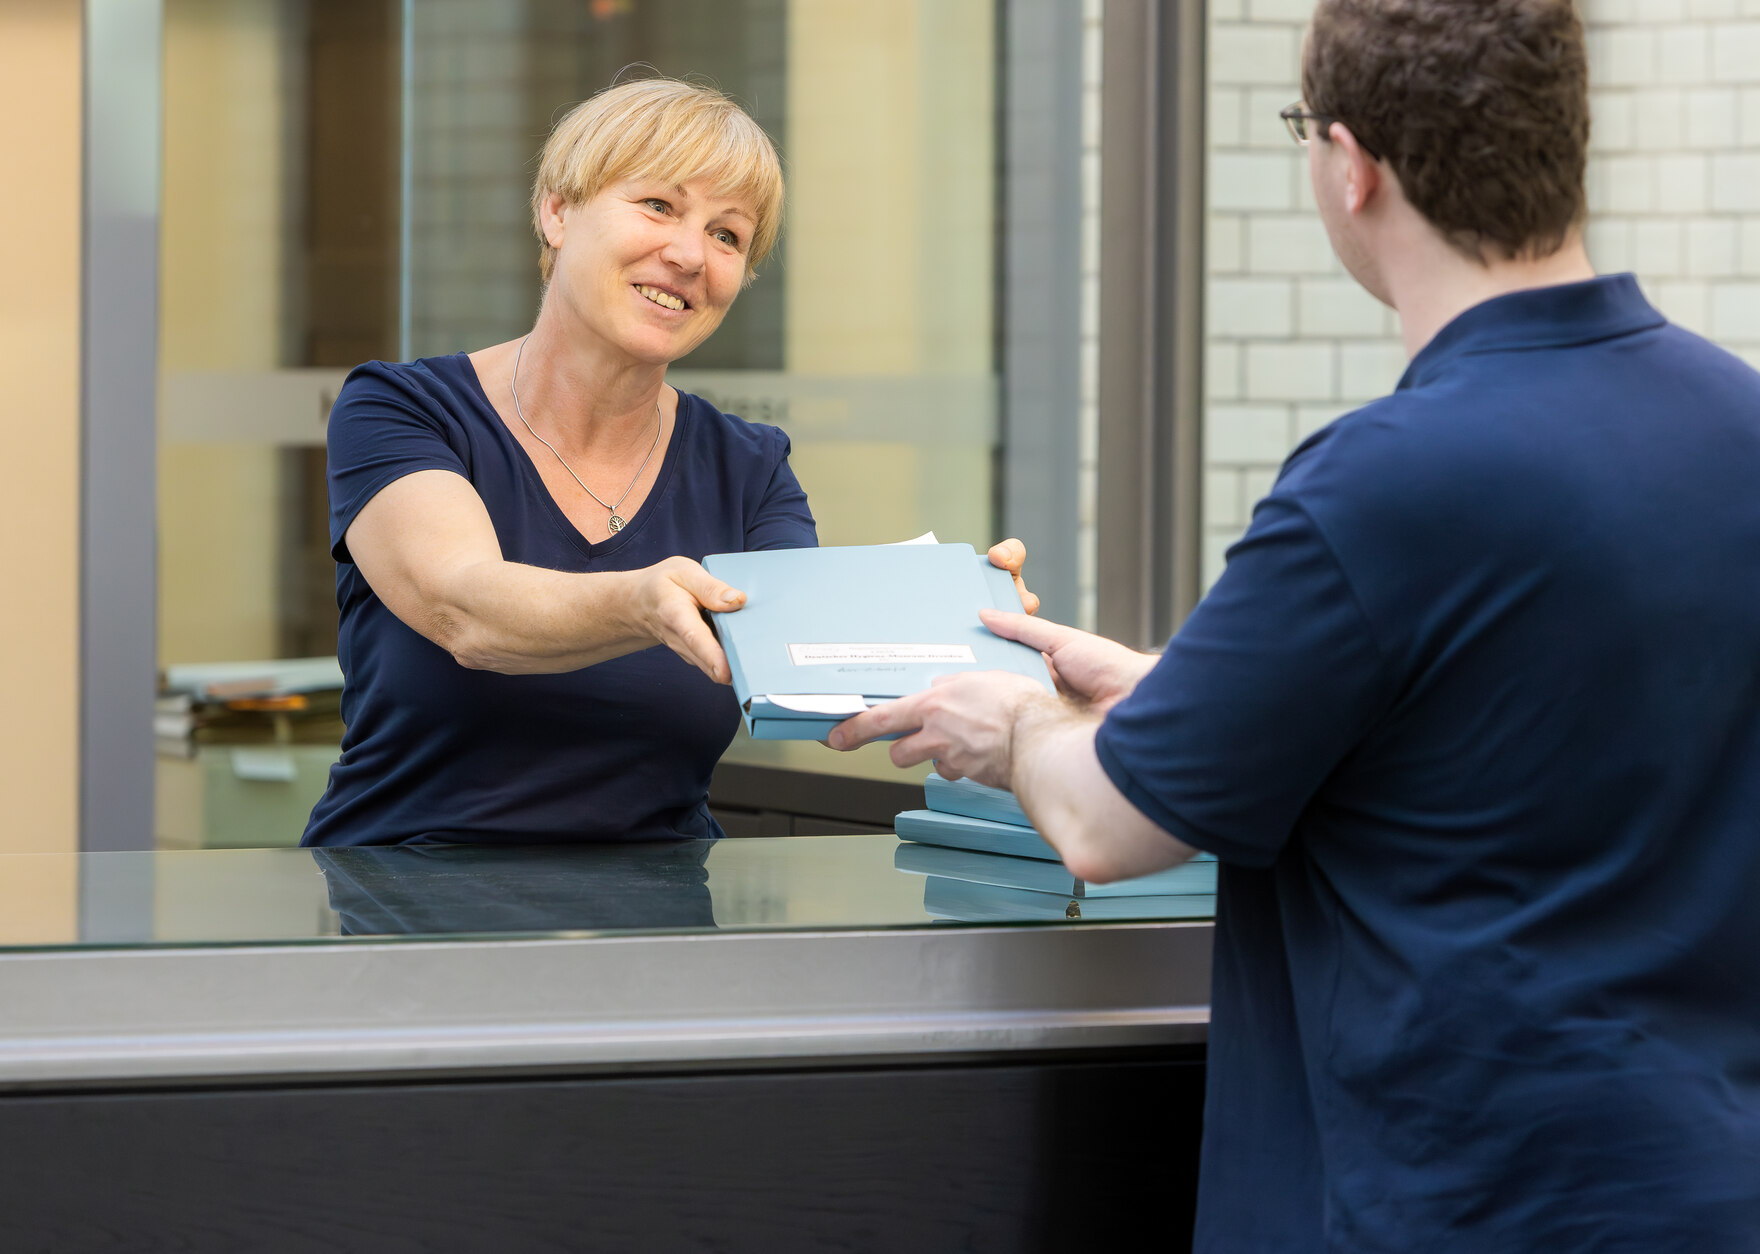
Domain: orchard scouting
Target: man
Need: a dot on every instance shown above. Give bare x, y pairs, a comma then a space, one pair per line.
1472, 719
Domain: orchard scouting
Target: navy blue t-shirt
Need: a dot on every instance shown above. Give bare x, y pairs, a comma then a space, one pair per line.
1472, 719
618, 751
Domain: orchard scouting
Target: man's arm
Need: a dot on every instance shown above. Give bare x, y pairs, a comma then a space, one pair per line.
1058, 778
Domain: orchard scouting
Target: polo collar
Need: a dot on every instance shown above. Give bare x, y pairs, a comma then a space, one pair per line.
1560, 316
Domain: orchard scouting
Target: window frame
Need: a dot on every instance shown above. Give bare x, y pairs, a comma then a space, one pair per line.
1146, 495
1149, 521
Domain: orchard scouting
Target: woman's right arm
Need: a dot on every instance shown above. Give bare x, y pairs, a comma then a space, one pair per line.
427, 548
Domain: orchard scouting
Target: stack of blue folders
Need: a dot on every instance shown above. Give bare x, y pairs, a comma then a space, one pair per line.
985, 863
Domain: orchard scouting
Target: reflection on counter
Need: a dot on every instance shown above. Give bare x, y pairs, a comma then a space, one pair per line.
966, 902
410, 889
257, 896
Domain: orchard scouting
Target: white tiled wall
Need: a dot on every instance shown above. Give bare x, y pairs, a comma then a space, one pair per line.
1293, 342
1674, 178
1674, 195
471, 248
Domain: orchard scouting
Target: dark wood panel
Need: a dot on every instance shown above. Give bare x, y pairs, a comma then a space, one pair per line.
844, 803
752, 822
349, 310
353, 100
776, 823
808, 825
1059, 1156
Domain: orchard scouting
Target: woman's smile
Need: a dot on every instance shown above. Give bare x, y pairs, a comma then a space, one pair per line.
679, 250
665, 297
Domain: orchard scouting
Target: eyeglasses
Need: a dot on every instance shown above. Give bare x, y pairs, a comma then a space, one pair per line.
1297, 117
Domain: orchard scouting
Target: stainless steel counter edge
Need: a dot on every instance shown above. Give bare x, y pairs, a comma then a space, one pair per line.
365, 1007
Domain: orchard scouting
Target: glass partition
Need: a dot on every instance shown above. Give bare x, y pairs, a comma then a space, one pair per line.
349, 179
253, 896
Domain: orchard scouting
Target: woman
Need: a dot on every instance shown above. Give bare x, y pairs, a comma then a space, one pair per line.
515, 528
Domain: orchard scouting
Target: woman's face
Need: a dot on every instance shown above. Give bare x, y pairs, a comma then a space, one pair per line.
647, 268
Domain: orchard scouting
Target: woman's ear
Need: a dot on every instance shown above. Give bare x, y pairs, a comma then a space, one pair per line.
550, 215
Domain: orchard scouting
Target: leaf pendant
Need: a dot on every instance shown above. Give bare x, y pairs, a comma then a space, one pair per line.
616, 524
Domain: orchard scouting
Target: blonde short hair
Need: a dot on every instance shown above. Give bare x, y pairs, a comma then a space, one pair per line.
670, 131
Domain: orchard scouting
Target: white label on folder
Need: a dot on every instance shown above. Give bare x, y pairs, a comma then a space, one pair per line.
878, 654
839, 703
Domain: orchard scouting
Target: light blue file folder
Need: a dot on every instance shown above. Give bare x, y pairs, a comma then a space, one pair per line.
826, 632
1194, 878
974, 800
960, 831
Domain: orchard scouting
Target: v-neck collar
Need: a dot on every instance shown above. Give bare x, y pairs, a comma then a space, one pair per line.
662, 481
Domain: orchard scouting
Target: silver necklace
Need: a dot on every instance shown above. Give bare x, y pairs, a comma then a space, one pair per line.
617, 522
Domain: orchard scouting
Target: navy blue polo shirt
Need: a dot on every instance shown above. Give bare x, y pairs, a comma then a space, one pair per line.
1472, 720
618, 751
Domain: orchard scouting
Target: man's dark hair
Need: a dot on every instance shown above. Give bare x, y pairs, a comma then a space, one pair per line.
1480, 106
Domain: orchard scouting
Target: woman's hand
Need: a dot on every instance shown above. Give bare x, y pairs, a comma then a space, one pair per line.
669, 599
1011, 555
1087, 667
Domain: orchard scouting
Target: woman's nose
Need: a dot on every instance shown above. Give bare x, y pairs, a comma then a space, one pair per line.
684, 249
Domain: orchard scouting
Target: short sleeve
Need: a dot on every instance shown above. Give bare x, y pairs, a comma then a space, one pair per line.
383, 426
1270, 683
782, 519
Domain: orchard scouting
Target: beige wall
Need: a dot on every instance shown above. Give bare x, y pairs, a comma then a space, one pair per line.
890, 248
891, 187
222, 272
853, 230
39, 428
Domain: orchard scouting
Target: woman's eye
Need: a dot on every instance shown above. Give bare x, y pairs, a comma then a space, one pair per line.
657, 205
728, 238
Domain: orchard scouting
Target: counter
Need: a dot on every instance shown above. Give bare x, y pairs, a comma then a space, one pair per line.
744, 1044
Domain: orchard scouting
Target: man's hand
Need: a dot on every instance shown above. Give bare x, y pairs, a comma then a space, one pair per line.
964, 724
1090, 668
1006, 731
1011, 555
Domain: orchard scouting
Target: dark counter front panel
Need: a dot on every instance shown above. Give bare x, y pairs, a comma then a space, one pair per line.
1048, 1155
